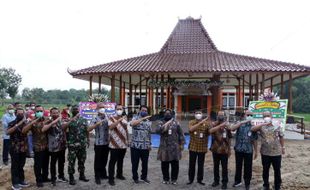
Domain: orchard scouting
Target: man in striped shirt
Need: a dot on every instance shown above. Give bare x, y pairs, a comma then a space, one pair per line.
118, 144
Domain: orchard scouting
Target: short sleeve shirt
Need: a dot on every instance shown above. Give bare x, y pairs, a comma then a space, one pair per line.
101, 131
199, 138
270, 141
141, 134
245, 138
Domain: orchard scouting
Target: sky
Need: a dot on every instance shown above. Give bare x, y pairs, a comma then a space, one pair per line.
41, 39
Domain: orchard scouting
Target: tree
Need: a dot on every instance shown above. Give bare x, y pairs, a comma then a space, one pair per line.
9, 82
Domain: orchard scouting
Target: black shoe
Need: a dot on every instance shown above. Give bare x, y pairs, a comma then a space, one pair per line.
136, 181
104, 177
40, 185
62, 179
247, 187
224, 186
54, 183
71, 180
146, 181
214, 184
190, 182
121, 177
98, 181
83, 178
201, 183
46, 180
111, 182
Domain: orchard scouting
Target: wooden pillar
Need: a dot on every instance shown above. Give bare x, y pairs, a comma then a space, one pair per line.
290, 94
168, 94
113, 88
156, 96
99, 88
242, 97
91, 85
271, 84
121, 89
124, 93
134, 97
282, 86
239, 93
262, 88
250, 87
162, 93
130, 93
256, 87
147, 103
140, 89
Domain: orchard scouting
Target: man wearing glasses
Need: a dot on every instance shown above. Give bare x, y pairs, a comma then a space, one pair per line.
246, 144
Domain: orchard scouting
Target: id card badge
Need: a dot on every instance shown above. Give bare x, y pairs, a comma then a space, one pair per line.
170, 132
249, 133
195, 133
224, 135
201, 135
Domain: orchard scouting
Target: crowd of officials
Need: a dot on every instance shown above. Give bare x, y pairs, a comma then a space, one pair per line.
46, 135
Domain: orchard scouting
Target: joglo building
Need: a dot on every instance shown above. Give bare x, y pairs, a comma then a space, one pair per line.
189, 71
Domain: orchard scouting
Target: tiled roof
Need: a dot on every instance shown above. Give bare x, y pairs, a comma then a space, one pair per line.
190, 49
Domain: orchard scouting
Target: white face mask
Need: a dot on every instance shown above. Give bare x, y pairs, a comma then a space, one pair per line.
119, 112
33, 107
101, 110
198, 116
11, 111
267, 119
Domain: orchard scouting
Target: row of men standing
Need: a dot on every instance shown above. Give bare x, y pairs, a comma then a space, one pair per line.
111, 135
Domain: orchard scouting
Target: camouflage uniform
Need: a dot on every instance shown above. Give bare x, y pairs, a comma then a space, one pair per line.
77, 142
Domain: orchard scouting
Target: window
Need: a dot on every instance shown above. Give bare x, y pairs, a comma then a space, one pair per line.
229, 101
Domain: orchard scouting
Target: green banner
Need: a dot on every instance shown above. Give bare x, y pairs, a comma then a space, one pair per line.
278, 109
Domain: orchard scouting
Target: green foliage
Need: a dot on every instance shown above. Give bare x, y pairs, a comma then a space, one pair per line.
9, 82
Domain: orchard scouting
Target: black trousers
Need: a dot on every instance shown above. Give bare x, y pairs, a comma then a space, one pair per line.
60, 158
136, 155
174, 170
41, 161
116, 156
275, 161
200, 157
6, 150
17, 166
245, 159
223, 159
101, 160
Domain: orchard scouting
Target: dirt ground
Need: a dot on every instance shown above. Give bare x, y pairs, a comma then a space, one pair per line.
295, 172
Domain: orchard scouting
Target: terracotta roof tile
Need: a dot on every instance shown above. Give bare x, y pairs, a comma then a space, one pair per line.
190, 49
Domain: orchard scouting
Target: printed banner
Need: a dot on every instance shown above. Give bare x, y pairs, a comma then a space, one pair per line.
278, 109
88, 110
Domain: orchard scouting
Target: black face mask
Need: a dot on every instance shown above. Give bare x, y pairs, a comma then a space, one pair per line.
220, 118
167, 117
75, 112
19, 117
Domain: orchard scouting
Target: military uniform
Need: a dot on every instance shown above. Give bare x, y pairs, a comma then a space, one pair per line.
77, 142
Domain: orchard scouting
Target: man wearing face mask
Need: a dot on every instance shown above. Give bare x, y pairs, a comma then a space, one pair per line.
246, 144
171, 145
18, 150
30, 115
77, 140
100, 124
140, 143
118, 144
198, 146
220, 149
55, 129
39, 140
6, 119
272, 148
